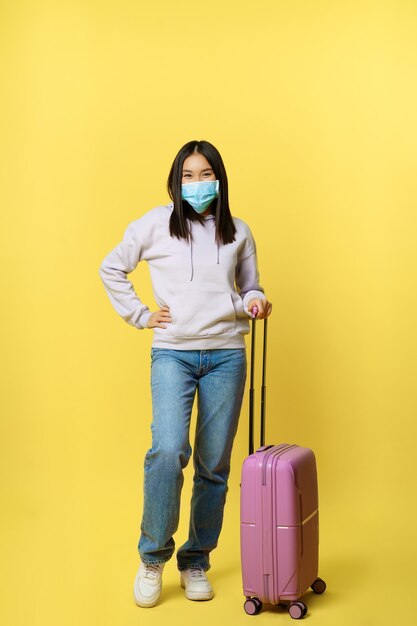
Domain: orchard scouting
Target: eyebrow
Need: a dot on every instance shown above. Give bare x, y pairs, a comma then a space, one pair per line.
208, 169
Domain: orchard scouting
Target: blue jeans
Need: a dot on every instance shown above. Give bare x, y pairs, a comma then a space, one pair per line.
176, 375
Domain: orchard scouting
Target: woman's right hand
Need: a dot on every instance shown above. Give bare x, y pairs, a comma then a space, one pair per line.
160, 318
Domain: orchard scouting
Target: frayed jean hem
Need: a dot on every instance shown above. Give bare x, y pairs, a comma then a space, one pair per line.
194, 566
157, 562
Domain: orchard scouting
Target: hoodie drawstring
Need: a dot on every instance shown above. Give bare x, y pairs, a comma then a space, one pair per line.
192, 258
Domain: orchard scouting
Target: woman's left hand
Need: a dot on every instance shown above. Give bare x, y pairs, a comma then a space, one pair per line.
264, 307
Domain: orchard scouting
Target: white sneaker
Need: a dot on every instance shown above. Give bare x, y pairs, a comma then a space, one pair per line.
196, 584
148, 584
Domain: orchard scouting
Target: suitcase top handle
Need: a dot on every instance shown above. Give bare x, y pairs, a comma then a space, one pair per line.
252, 376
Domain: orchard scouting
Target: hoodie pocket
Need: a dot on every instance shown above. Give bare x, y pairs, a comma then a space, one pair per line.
202, 313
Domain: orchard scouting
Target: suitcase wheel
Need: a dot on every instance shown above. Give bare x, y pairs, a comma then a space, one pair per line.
252, 606
297, 610
319, 586
259, 605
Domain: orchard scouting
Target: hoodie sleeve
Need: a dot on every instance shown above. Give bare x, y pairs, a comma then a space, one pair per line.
247, 275
113, 272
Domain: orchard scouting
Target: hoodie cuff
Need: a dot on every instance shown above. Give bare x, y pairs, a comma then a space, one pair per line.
143, 320
249, 296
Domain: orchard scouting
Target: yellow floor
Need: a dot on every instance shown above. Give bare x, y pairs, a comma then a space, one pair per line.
80, 572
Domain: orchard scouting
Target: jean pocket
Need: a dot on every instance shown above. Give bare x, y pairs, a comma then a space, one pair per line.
155, 352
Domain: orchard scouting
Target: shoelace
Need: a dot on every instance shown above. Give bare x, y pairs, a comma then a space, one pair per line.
197, 573
152, 571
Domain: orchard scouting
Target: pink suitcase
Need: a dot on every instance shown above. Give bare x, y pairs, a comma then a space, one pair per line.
279, 518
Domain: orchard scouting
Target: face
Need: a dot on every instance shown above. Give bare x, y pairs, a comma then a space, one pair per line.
197, 168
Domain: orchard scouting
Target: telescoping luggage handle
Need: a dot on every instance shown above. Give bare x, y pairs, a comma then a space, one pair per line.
263, 388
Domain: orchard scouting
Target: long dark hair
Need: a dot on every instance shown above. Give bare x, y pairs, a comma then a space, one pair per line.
178, 225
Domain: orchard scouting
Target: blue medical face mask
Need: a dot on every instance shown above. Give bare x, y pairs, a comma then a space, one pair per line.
200, 194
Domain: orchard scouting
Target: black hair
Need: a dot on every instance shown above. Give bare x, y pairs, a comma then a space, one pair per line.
178, 224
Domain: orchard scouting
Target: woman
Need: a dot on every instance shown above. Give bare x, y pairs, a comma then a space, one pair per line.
206, 283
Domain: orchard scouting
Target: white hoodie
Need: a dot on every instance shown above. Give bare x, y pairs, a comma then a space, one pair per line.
207, 287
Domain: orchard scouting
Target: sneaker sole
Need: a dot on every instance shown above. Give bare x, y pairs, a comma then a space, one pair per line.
198, 595
145, 605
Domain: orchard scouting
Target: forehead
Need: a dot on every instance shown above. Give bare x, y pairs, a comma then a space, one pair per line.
196, 162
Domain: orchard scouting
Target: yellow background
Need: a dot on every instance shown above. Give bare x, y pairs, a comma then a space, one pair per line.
313, 107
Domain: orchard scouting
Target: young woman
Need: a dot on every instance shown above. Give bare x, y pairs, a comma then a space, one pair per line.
206, 284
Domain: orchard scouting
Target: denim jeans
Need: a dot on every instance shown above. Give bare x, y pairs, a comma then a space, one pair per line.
218, 377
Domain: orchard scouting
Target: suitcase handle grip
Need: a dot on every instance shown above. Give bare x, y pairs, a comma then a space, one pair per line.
263, 388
